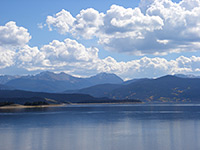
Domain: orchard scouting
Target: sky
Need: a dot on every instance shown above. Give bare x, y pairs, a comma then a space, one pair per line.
131, 38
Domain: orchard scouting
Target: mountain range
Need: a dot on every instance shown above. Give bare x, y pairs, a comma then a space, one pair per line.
164, 89
54, 83
170, 88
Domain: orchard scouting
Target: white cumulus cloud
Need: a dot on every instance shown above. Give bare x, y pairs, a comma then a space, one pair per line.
12, 35
87, 23
151, 67
6, 58
30, 58
156, 27
62, 21
12, 38
71, 56
68, 51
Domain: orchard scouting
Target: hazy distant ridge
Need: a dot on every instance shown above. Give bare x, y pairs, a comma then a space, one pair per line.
52, 82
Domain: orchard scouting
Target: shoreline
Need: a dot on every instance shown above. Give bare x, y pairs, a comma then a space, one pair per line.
18, 106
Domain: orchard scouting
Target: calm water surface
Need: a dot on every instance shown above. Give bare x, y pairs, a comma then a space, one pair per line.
102, 127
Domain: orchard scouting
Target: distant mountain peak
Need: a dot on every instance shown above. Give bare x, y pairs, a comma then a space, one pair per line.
104, 74
63, 73
104, 77
47, 75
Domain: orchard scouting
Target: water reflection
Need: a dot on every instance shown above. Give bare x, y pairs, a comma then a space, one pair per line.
101, 128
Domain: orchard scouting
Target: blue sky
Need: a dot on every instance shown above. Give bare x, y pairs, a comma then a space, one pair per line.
132, 38
30, 13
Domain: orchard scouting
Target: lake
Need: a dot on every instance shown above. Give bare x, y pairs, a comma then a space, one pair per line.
102, 127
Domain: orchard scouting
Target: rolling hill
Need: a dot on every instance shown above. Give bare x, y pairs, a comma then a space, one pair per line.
5, 87
100, 90
164, 89
22, 97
